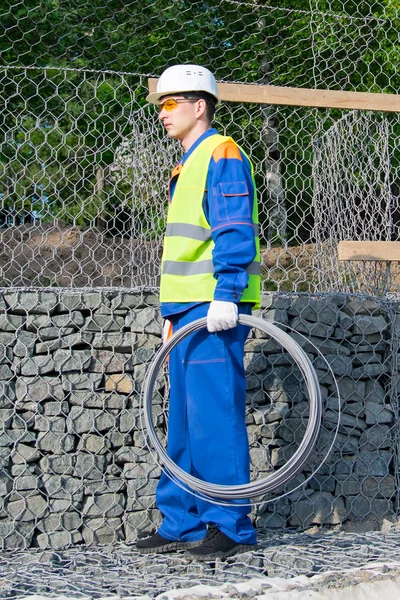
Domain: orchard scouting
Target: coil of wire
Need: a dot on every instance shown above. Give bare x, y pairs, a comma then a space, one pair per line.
273, 481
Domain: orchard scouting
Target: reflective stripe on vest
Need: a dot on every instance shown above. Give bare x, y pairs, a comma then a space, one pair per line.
187, 267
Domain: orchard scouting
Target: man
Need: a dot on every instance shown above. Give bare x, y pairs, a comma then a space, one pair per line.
210, 268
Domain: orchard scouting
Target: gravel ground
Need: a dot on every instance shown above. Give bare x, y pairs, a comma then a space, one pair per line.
283, 566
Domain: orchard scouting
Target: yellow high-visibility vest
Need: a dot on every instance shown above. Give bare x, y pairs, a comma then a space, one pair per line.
187, 267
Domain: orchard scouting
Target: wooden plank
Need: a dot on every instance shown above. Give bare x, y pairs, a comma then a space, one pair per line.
388, 251
287, 96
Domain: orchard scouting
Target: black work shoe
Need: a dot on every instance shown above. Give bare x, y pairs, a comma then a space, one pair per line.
218, 545
158, 543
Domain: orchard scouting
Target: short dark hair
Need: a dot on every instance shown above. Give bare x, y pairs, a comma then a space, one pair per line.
208, 98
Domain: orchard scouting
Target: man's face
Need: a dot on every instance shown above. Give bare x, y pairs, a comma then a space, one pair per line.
179, 117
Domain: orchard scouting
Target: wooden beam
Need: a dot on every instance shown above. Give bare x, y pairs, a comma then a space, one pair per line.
287, 96
387, 251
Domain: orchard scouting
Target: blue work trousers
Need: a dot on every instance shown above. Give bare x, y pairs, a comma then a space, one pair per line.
207, 434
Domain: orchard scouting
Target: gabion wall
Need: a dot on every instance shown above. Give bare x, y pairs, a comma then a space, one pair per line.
75, 468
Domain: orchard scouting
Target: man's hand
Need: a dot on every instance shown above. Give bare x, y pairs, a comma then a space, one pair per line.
221, 315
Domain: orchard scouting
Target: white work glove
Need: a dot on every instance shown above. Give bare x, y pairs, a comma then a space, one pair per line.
221, 315
167, 331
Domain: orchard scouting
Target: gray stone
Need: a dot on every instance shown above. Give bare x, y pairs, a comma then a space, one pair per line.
26, 482
350, 390
84, 420
314, 329
292, 430
10, 437
55, 409
119, 341
5, 372
375, 392
376, 413
8, 339
81, 381
53, 333
364, 358
24, 453
106, 361
45, 423
6, 354
379, 487
323, 483
38, 389
129, 300
73, 319
72, 360
347, 485
84, 301
146, 320
264, 345
94, 444
104, 505
102, 531
141, 486
270, 521
345, 319
362, 307
25, 344
58, 465
340, 364
314, 345
58, 539
255, 362
67, 341
132, 471
60, 522
36, 322
88, 399
16, 534
367, 325
141, 522
6, 483
11, 322
38, 302
373, 463
276, 315
7, 394
104, 323
141, 503
90, 466
321, 508
60, 506
359, 508
57, 443
376, 437
37, 365
127, 420
369, 371
6, 416
274, 412
61, 487
28, 509
314, 310
104, 486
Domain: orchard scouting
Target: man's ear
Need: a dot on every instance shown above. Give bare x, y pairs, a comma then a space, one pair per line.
201, 106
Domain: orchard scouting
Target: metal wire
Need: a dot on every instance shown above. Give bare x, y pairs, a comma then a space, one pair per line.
293, 465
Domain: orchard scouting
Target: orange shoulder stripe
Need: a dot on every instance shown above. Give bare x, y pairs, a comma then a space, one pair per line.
226, 150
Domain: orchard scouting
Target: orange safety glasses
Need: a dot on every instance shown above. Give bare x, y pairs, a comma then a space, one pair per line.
172, 104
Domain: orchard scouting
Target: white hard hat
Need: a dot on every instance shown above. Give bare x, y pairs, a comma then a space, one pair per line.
184, 78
